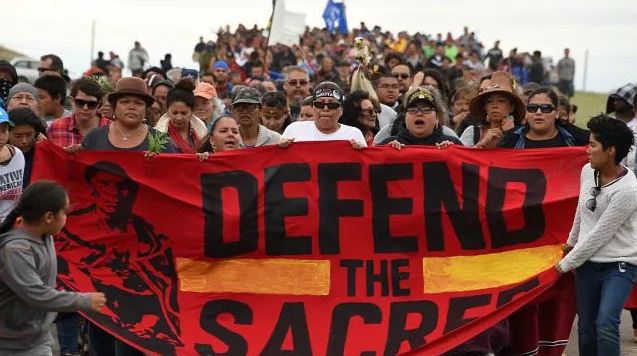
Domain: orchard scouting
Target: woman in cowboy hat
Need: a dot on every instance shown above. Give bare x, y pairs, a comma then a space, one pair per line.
498, 107
127, 132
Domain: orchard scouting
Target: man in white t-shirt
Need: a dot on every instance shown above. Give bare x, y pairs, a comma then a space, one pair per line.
328, 108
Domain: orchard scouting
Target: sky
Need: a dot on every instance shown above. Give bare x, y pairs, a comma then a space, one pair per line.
607, 30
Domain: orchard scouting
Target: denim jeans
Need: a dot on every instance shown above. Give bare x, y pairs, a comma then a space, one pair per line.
101, 343
602, 290
68, 326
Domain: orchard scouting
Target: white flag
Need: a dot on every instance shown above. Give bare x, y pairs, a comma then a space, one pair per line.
286, 26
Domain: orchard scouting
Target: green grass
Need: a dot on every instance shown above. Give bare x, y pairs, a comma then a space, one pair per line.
589, 104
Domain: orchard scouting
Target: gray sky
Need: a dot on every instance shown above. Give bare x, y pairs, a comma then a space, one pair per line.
607, 29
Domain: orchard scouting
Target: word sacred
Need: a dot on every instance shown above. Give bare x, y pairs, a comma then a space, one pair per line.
292, 320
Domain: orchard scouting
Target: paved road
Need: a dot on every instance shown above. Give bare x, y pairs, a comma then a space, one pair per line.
628, 347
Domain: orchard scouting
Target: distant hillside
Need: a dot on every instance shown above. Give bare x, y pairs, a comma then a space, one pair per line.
8, 54
588, 104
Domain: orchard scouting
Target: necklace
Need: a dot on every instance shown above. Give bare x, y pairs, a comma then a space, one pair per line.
130, 134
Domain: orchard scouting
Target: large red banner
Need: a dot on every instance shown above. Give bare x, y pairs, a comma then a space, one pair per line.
313, 249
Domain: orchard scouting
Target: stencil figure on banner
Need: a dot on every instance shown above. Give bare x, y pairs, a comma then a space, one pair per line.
128, 132
152, 321
378, 250
28, 266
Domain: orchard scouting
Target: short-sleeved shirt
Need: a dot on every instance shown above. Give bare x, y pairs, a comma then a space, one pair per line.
97, 139
63, 132
11, 175
307, 131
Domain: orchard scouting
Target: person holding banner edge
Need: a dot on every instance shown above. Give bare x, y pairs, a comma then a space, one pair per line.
28, 271
328, 109
602, 244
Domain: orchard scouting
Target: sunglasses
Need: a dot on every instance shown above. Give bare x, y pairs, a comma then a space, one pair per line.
90, 104
591, 204
42, 70
545, 108
298, 82
321, 105
401, 76
370, 112
420, 109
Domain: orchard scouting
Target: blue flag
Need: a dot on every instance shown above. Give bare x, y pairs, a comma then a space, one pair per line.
334, 16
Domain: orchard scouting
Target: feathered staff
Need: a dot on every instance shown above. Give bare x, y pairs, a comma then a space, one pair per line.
360, 81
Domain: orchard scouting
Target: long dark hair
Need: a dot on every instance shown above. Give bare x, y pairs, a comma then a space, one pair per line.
39, 198
443, 87
352, 110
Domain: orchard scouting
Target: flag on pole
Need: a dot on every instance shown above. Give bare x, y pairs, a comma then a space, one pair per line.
286, 26
334, 16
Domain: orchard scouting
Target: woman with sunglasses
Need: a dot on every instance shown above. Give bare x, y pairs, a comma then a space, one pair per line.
602, 244
361, 112
328, 109
424, 112
543, 128
528, 331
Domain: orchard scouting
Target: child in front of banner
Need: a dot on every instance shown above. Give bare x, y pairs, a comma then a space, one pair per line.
602, 244
28, 270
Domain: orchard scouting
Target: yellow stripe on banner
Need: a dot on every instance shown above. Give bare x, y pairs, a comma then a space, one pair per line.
256, 276
465, 273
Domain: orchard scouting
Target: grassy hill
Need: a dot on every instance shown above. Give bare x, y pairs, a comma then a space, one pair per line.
588, 104
8, 54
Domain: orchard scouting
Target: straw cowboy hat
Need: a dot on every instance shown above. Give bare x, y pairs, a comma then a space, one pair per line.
501, 83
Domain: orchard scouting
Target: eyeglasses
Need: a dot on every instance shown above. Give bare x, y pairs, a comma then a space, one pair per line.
370, 112
331, 106
42, 70
421, 109
401, 76
298, 82
545, 108
591, 204
90, 104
